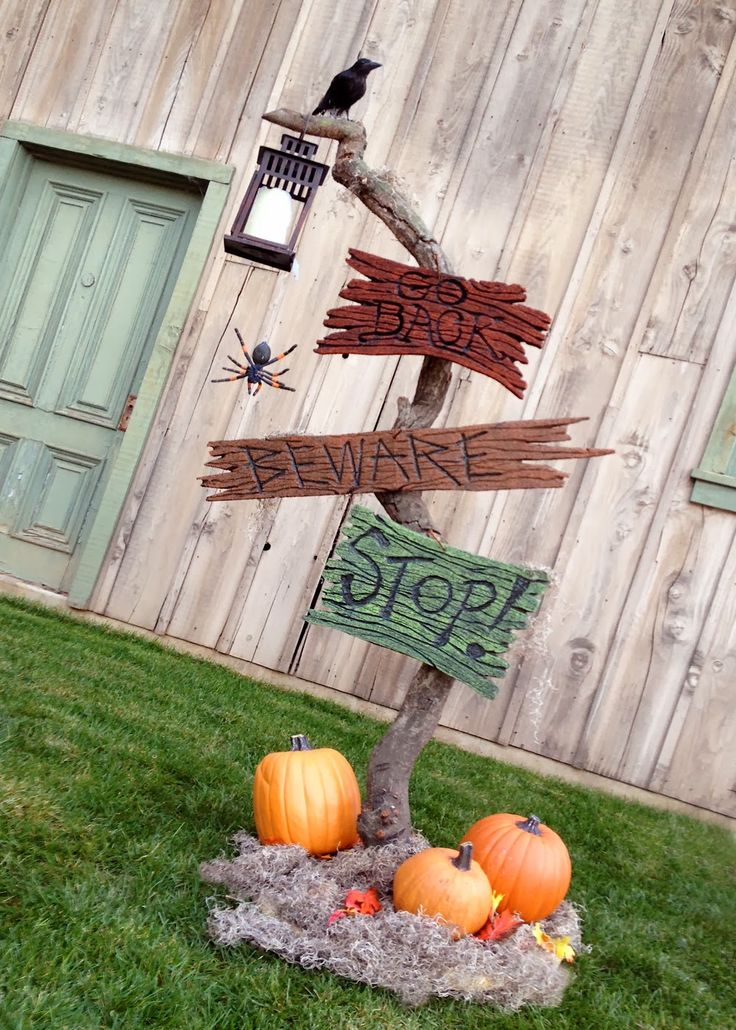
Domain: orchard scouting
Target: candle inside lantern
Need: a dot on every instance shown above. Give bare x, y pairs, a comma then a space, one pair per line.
272, 215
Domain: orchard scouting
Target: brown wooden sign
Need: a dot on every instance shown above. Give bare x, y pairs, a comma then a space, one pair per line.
401, 309
483, 457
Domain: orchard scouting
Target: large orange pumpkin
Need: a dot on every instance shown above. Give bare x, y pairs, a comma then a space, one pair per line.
445, 885
524, 860
306, 796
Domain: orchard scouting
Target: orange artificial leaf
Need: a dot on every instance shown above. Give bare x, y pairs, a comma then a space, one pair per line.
363, 903
358, 903
500, 924
560, 947
484, 934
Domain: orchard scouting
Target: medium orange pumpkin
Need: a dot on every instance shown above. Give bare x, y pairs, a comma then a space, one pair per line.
306, 796
445, 885
524, 860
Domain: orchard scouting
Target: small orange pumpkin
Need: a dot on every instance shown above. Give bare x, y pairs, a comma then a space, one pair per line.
445, 885
524, 860
306, 796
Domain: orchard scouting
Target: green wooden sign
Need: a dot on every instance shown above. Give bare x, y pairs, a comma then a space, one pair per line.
450, 609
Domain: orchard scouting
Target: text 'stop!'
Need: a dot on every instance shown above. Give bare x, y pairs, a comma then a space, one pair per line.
401, 309
453, 610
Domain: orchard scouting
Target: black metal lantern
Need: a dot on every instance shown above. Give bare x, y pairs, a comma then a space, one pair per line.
276, 203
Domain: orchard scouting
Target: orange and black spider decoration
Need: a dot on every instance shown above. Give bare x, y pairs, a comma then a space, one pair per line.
254, 372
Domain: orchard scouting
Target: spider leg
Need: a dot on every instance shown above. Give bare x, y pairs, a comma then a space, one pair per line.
257, 389
282, 355
243, 369
248, 358
238, 363
273, 380
229, 379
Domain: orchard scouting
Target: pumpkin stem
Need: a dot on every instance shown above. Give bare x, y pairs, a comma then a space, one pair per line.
464, 857
300, 743
531, 825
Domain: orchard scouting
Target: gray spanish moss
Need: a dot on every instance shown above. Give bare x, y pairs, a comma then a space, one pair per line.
283, 899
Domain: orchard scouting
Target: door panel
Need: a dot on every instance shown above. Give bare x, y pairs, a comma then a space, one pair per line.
89, 265
100, 373
9, 498
58, 491
43, 252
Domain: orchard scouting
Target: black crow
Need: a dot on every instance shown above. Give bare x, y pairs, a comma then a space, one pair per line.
346, 88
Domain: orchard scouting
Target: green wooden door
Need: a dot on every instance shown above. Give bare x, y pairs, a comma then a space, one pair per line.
89, 260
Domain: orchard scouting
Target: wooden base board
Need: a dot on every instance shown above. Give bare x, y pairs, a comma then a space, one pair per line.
465, 741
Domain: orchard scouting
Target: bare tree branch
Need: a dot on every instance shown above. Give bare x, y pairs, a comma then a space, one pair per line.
386, 815
379, 191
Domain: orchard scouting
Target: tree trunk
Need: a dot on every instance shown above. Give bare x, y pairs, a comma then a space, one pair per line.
386, 815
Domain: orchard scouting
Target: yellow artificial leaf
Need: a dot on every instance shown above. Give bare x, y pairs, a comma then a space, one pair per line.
560, 947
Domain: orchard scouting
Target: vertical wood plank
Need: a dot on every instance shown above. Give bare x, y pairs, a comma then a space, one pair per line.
535, 75
172, 73
136, 37
647, 416
22, 24
206, 120
698, 260
63, 62
695, 763
671, 593
457, 68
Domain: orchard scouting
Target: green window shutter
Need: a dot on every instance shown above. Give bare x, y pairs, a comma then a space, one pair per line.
715, 480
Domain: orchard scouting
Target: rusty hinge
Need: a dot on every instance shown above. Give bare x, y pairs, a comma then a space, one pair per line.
127, 412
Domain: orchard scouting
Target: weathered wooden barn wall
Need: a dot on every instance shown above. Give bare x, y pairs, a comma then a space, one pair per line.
581, 147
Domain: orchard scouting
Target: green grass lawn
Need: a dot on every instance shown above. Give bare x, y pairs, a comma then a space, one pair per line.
124, 765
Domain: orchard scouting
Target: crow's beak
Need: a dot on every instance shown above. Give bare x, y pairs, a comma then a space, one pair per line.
375, 64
